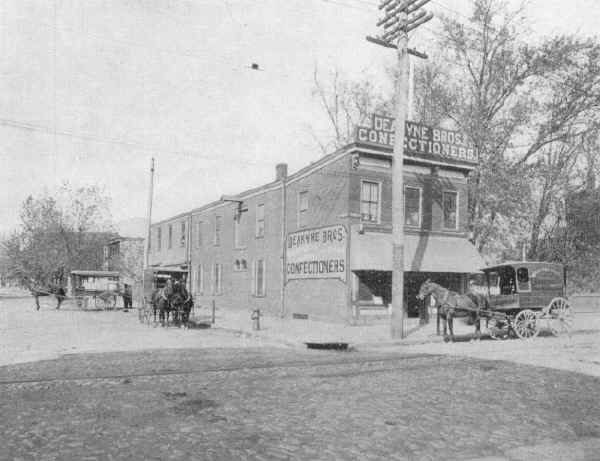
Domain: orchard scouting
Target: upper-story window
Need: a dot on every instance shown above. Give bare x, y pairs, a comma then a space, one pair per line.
369, 201
170, 241
182, 237
450, 207
239, 228
412, 206
302, 208
260, 220
217, 236
199, 231
159, 239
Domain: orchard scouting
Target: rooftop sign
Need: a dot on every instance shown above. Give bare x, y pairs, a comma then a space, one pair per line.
419, 140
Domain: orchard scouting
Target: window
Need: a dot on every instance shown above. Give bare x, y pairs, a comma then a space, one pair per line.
259, 277
182, 238
369, 201
240, 265
260, 220
200, 280
412, 206
217, 285
449, 205
239, 227
158, 239
302, 208
199, 230
170, 241
217, 238
523, 279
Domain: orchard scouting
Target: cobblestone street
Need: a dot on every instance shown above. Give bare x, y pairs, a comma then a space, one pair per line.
286, 404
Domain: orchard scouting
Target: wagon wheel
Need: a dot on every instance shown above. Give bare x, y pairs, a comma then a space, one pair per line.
561, 316
526, 324
498, 329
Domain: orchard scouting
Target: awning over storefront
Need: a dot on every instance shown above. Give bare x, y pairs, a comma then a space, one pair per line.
422, 253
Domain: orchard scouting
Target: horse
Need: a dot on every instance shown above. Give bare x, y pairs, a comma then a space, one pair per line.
49, 290
161, 302
451, 304
181, 304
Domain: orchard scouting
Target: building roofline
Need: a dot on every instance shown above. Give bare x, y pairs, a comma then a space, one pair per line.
312, 167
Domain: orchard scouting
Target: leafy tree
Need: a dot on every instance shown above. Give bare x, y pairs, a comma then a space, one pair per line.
58, 234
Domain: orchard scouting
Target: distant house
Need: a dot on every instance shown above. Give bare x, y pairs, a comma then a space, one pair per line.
126, 256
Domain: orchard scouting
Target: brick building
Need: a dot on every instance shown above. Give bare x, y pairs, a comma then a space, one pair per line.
335, 219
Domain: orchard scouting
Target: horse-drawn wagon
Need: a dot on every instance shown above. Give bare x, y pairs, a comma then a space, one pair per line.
95, 289
521, 298
524, 297
155, 280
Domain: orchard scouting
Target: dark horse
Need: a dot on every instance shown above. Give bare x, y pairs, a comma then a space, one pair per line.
451, 304
181, 304
172, 299
48, 290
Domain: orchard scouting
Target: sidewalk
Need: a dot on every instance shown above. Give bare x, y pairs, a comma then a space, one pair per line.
297, 332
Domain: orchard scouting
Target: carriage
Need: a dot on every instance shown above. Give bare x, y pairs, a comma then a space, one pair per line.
524, 298
156, 278
95, 289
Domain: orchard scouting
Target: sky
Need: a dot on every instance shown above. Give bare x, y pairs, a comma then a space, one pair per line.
91, 90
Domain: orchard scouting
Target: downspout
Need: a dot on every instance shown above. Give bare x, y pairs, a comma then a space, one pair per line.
283, 243
189, 253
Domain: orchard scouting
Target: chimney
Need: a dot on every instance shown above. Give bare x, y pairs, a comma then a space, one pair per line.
280, 171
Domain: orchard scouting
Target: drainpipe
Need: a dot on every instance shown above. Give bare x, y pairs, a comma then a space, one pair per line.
282, 175
189, 253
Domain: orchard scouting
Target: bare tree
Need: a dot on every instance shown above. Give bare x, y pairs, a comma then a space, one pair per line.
347, 104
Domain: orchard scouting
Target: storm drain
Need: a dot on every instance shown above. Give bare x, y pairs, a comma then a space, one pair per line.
328, 346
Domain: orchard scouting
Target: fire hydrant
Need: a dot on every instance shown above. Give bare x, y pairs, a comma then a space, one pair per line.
255, 316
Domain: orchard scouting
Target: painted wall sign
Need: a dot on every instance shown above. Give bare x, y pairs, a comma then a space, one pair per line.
419, 140
317, 253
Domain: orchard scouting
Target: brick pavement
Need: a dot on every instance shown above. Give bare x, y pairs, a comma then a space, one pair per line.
274, 404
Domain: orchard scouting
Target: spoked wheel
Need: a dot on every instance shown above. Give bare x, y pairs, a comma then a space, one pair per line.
498, 329
561, 316
526, 324
105, 301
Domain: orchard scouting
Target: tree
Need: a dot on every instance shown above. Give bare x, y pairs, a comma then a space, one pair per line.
526, 108
347, 104
58, 234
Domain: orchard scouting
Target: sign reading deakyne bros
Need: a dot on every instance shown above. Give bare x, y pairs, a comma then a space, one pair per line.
317, 253
419, 140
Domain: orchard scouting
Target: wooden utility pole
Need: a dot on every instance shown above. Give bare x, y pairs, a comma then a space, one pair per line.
400, 17
149, 218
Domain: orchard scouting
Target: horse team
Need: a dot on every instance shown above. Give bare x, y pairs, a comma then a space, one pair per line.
172, 300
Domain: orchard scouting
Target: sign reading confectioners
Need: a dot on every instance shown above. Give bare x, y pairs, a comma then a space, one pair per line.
419, 140
317, 253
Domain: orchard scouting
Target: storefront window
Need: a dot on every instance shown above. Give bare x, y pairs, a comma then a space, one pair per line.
369, 201
412, 206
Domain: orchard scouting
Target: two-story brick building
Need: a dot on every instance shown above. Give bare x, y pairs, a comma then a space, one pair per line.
318, 242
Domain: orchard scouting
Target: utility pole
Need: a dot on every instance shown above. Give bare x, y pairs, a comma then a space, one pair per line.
149, 218
399, 18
